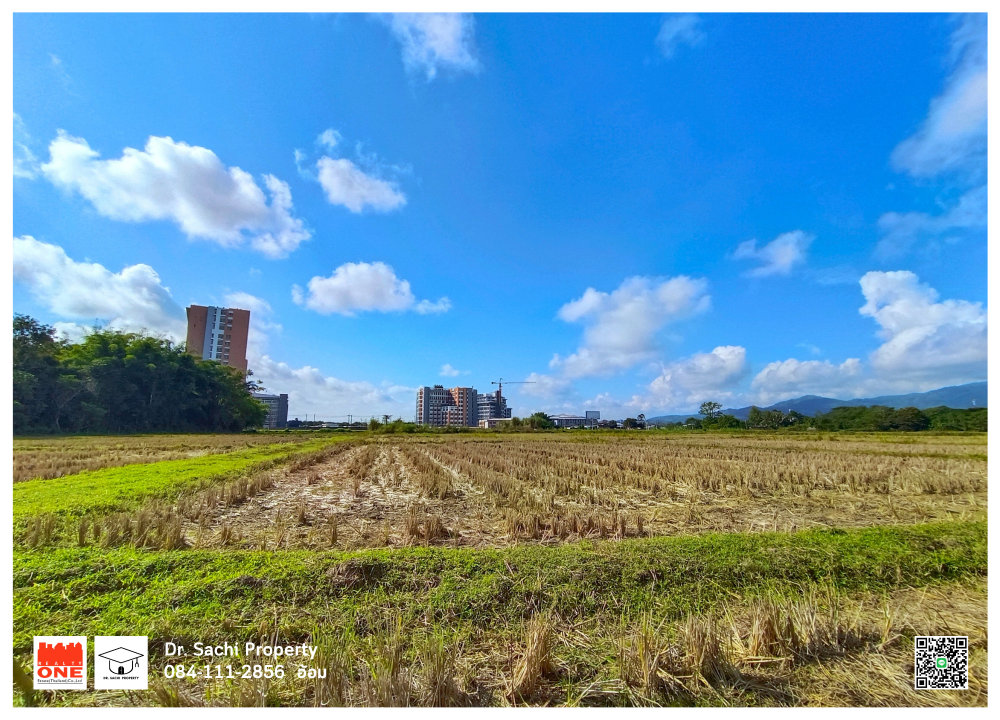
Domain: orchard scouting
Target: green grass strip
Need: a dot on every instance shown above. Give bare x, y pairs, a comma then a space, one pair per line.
229, 595
125, 488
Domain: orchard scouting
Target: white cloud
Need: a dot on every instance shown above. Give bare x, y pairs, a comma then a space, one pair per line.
951, 143
363, 287
310, 392
348, 185
246, 301
25, 162
183, 183
902, 231
426, 307
621, 326
132, 299
435, 40
778, 257
71, 331
792, 378
448, 371
952, 139
679, 30
927, 342
548, 387
702, 376
329, 138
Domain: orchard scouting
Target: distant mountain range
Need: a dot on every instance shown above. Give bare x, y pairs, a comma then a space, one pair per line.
956, 396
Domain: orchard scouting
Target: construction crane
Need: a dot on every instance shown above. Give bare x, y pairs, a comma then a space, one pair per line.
499, 384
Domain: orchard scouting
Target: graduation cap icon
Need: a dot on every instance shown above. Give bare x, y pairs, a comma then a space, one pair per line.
121, 661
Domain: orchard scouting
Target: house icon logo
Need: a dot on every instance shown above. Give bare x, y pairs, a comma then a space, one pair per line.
121, 662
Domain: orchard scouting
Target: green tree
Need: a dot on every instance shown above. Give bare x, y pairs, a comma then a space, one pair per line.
946, 418
710, 409
910, 419
727, 422
539, 421
47, 395
123, 382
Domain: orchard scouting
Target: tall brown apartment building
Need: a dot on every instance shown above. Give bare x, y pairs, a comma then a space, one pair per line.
220, 334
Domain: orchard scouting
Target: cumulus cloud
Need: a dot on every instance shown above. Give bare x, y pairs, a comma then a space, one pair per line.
790, 378
702, 376
311, 392
928, 342
448, 371
902, 231
363, 287
186, 184
952, 138
679, 30
435, 40
620, 327
348, 185
778, 257
133, 299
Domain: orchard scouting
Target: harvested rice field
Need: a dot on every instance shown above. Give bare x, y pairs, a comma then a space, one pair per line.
499, 492
494, 569
52, 457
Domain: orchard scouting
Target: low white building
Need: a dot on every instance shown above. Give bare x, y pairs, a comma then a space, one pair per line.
570, 421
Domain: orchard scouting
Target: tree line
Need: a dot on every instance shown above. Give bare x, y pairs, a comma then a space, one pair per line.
873, 418
117, 381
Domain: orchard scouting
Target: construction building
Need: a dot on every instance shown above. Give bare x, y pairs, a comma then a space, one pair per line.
277, 410
492, 405
220, 334
440, 406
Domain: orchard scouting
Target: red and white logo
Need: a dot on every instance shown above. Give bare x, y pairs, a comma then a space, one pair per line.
60, 662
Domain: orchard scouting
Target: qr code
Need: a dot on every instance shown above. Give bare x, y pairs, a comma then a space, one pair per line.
941, 662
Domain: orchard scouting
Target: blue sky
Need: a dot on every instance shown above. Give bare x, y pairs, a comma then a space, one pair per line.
637, 212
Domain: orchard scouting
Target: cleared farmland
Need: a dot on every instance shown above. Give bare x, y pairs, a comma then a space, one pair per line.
52, 457
537, 569
496, 492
